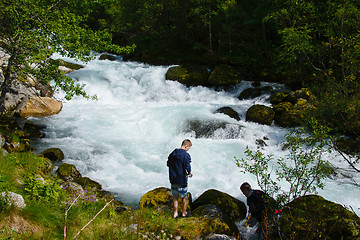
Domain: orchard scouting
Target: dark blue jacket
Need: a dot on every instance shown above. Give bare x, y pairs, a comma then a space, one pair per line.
179, 166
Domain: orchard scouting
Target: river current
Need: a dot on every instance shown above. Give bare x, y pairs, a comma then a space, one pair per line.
123, 139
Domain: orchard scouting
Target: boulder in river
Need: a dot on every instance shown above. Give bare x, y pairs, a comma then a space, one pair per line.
260, 114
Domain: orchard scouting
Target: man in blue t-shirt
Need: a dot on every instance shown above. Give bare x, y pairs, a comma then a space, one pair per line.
179, 168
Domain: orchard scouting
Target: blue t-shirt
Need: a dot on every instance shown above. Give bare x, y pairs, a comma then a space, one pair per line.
179, 166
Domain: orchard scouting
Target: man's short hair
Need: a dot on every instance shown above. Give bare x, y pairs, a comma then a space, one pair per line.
186, 142
245, 186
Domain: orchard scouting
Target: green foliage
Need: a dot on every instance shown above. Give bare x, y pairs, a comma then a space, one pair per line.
304, 169
42, 190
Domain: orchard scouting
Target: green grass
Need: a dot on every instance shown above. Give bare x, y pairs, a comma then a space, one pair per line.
44, 215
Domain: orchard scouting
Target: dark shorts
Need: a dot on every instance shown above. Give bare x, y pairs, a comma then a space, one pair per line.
179, 190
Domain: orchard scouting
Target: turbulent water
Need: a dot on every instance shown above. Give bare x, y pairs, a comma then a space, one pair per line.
123, 139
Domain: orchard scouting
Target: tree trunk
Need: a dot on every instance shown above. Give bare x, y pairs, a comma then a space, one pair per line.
5, 86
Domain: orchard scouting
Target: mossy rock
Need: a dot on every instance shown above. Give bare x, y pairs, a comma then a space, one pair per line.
106, 56
232, 207
89, 184
301, 93
188, 75
216, 221
290, 118
260, 114
282, 108
229, 111
313, 217
68, 172
224, 75
278, 97
162, 198
64, 63
54, 154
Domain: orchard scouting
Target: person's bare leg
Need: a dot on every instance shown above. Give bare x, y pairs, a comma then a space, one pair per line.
184, 213
175, 203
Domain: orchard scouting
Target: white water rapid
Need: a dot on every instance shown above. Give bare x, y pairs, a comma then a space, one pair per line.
123, 139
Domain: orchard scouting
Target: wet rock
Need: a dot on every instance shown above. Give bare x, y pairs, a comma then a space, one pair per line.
106, 56
229, 111
212, 129
54, 154
232, 207
260, 114
216, 220
250, 93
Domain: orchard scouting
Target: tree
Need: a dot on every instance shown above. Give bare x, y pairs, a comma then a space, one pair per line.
32, 30
304, 169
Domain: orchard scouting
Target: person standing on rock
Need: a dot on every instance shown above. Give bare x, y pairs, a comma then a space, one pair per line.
179, 169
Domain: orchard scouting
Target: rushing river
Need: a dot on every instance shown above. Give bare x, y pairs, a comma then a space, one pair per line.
123, 139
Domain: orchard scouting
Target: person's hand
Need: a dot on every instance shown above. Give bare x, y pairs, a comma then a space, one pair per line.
190, 174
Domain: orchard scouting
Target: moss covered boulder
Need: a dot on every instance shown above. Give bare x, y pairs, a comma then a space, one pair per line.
106, 56
216, 221
303, 93
61, 62
54, 154
161, 198
260, 114
190, 75
313, 217
68, 172
278, 97
234, 209
89, 184
229, 111
223, 75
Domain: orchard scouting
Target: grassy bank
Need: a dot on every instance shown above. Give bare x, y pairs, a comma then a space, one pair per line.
46, 205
